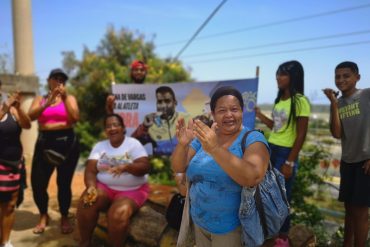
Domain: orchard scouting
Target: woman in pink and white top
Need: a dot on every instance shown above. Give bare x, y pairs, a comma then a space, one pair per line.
116, 177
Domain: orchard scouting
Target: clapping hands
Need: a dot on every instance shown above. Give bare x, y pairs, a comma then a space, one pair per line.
206, 135
184, 133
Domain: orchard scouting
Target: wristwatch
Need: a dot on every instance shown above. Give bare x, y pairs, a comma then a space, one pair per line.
289, 163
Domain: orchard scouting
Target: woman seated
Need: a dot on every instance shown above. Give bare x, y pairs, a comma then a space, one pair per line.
116, 182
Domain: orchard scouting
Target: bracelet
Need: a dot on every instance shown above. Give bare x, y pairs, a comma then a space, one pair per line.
289, 163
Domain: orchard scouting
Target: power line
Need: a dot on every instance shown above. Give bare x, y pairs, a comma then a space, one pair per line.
279, 52
278, 43
333, 12
200, 29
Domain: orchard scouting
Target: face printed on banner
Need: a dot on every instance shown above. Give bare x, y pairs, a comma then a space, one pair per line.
166, 104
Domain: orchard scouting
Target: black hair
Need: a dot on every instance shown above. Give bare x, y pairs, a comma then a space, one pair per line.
294, 70
1, 83
348, 64
119, 118
205, 119
165, 89
226, 90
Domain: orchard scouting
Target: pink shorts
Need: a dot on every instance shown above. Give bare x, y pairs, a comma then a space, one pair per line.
139, 195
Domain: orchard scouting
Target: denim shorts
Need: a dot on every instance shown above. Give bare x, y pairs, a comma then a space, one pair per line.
278, 157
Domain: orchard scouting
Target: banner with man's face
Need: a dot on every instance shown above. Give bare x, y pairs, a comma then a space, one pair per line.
155, 108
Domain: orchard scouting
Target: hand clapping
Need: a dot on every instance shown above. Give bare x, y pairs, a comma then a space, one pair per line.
184, 133
206, 135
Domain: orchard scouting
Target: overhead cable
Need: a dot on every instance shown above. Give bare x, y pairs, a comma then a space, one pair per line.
200, 29
306, 17
219, 59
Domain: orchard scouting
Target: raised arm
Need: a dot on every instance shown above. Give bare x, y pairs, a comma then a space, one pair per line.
37, 107
335, 125
72, 109
109, 104
264, 119
183, 153
246, 171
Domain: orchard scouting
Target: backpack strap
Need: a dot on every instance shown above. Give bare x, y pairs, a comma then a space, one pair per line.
257, 194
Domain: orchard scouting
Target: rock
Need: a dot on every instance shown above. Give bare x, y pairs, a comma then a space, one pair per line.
301, 236
147, 226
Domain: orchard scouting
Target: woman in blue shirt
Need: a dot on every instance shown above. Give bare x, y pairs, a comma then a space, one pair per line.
217, 168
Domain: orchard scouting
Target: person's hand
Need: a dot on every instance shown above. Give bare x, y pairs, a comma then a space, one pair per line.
366, 167
51, 97
206, 135
184, 134
13, 100
150, 119
90, 196
258, 111
62, 91
331, 94
109, 103
117, 170
286, 170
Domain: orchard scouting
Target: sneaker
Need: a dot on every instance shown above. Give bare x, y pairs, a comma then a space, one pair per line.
279, 242
7, 244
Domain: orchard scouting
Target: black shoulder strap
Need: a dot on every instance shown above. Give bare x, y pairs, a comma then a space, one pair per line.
245, 136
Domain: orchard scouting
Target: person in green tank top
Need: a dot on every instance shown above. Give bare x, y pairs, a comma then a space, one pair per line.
288, 125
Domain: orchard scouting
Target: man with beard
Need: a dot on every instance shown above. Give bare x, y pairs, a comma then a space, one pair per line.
159, 128
138, 73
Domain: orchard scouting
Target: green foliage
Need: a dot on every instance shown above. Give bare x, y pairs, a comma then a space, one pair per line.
161, 172
91, 77
304, 212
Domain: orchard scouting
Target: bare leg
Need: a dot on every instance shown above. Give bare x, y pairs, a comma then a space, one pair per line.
7, 217
88, 216
348, 226
361, 228
119, 215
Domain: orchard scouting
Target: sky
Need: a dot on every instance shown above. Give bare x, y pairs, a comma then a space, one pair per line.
241, 36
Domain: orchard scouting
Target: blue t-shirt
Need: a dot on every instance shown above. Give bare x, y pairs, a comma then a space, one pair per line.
214, 196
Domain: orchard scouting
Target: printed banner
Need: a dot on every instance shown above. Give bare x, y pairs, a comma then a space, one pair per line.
150, 111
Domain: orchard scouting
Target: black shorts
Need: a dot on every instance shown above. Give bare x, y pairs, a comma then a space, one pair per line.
354, 184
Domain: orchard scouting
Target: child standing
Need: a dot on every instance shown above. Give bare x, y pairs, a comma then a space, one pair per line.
289, 125
350, 122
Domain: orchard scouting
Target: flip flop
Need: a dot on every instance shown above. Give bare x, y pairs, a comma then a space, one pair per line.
66, 227
39, 229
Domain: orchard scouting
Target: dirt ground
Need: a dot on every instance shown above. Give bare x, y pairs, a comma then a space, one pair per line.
27, 215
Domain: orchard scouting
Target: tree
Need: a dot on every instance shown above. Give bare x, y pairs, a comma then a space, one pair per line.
91, 77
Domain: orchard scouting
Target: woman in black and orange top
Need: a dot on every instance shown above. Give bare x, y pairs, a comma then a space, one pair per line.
56, 114
12, 120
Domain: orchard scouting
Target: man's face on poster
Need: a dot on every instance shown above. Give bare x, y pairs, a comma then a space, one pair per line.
166, 105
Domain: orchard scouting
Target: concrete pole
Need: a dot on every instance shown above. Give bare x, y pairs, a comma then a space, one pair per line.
24, 65
22, 34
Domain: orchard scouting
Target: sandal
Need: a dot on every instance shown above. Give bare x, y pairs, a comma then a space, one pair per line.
65, 226
40, 228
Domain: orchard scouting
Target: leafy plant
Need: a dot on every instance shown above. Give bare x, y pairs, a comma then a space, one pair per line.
303, 211
91, 77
